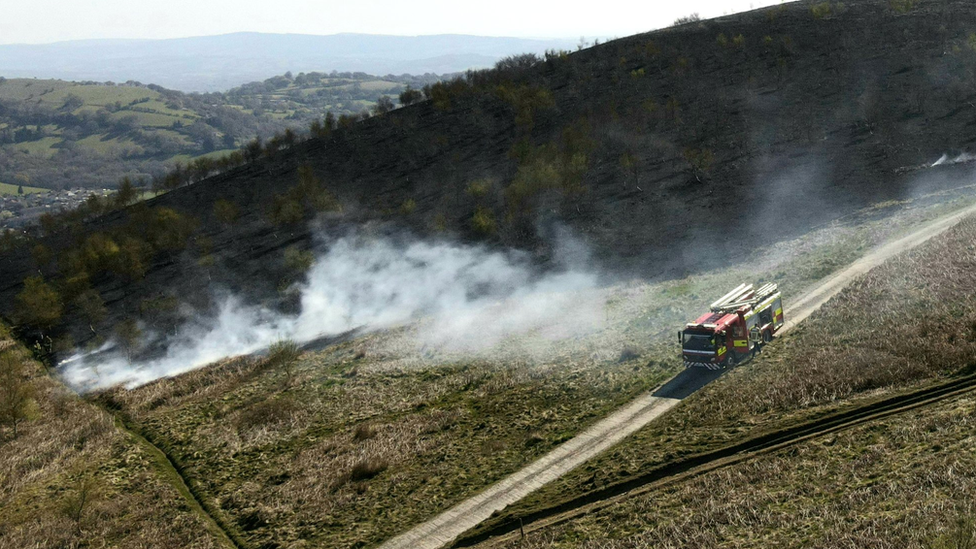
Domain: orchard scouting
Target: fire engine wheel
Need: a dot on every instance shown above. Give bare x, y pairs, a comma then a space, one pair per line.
728, 362
767, 336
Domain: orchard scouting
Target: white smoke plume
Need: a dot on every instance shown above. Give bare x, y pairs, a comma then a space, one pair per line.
962, 158
468, 297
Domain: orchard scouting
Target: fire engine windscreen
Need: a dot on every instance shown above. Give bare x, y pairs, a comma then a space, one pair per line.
698, 342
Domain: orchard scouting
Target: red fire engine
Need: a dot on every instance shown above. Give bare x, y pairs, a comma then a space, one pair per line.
737, 326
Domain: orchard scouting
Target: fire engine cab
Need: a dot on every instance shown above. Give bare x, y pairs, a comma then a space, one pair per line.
738, 325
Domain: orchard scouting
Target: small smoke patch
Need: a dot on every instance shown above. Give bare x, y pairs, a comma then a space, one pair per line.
947, 159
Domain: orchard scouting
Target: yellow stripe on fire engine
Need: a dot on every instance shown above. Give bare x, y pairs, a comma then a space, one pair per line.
720, 352
742, 343
779, 311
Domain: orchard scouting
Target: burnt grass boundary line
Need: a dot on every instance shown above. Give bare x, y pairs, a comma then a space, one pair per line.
722, 457
191, 493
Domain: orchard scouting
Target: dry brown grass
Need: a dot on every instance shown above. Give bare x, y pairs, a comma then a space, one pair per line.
276, 460
364, 432
368, 468
72, 479
324, 468
910, 321
907, 481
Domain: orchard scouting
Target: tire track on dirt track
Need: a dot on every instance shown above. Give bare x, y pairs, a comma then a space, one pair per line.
446, 527
442, 530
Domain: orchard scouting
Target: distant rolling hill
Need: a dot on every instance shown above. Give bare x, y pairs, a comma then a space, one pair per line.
60, 134
217, 63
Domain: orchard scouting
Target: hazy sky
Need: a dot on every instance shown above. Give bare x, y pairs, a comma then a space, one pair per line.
41, 21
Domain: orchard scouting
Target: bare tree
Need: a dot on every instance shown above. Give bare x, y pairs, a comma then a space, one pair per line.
80, 498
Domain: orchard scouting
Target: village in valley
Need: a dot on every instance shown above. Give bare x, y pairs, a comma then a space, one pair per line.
20, 210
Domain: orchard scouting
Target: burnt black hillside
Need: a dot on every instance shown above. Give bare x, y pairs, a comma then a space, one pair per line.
668, 152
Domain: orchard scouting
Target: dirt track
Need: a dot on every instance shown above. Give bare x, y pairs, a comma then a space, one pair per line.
444, 528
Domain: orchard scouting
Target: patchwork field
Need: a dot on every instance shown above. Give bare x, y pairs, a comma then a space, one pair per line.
8, 189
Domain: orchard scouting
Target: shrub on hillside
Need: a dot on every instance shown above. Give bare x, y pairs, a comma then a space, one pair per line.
690, 18
525, 101
16, 393
410, 96
273, 411
902, 6
368, 468
364, 431
383, 105
531, 179
286, 210
80, 499
483, 221
132, 259
443, 93
478, 189
282, 353
129, 336
700, 162
290, 207
226, 211
160, 311
252, 150
126, 194
408, 206
825, 9
298, 261
38, 305
42, 255
91, 307
514, 66
170, 230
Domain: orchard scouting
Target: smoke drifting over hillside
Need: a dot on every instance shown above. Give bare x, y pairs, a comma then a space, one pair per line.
469, 297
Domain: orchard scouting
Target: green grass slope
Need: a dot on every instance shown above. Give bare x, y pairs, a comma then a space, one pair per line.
70, 477
7, 189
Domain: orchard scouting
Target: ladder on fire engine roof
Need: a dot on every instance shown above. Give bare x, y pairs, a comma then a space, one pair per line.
743, 295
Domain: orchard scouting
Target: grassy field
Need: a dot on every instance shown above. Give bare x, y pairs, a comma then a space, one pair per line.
55, 92
906, 323
150, 119
44, 147
7, 189
104, 145
72, 478
23, 89
184, 158
314, 450
904, 481
100, 95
